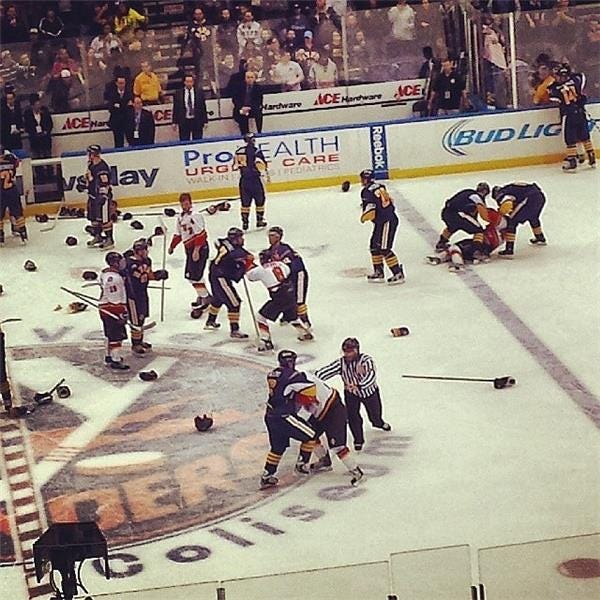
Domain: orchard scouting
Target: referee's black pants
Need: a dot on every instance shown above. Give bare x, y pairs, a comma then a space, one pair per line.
372, 404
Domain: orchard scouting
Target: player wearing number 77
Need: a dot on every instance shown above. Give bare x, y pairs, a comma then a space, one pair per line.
275, 276
377, 206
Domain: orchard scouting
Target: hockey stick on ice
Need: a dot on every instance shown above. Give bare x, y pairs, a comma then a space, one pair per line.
251, 310
164, 265
499, 382
86, 300
55, 216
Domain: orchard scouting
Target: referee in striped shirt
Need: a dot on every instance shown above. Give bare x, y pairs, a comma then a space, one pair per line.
360, 387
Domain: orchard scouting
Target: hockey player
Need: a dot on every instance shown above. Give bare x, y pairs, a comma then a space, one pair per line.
10, 200
138, 272
275, 276
357, 371
327, 416
191, 231
466, 251
378, 207
279, 250
567, 93
520, 203
460, 213
252, 164
113, 309
281, 419
228, 266
100, 204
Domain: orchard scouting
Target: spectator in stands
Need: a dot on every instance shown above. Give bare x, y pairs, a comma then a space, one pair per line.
323, 22
453, 24
288, 73
428, 22
352, 26
248, 30
336, 50
257, 65
197, 37
402, 18
494, 64
375, 23
323, 73
100, 16
11, 124
118, 98
126, 21
143, 45
64, 62
250, 50
38, 53
297, 22
271, 52
51, 27
545, 79
38, 125
189, 110
227, 32
308, 42
139, 124
66, 92
289, 42
8, 68
147, 86
247, 99
12, 29
563, 24
360, 54
449, 93
103, 47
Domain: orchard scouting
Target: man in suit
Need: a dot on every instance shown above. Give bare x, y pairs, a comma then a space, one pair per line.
38, 125
189, 110
139, 124
118, 98
11, 124
247, 103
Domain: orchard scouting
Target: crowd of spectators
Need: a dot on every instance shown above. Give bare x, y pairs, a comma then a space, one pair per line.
68, 53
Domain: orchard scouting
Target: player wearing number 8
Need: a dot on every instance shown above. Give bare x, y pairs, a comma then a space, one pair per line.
275, 276
378, 206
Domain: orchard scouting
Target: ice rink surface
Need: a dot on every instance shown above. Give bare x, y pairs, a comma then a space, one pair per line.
464, 464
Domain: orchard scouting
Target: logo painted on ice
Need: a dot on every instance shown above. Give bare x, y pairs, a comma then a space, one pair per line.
457, 138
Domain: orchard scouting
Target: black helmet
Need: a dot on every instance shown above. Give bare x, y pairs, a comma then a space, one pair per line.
483, 189
564, 70
113, 259
350, 343
94, 149
141, 244
249, 138
277, 230
366, 175
496, 192
287, 358
234, 234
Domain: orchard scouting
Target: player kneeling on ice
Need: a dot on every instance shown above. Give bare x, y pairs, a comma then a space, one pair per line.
228, 266
138, 272
113, 309
378, 207
520, 203
275, 275
471, 251
191, 231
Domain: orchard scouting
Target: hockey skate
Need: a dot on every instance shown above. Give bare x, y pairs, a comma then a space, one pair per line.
95, 241
397, 277
433, 260
479, 257
456, 268
441, 245
118, 365
146, 345
260, 223
211, 325
265, 346
107, 243
267, 481
322, 465
384, 426
138, 349
236, 334
306, 337
592, 159
538, 240
376, 277
569, 164
302, 469
1, 238
357, 475
506, 254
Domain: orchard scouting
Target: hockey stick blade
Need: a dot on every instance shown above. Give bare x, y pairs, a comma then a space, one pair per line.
503, 382
13, 320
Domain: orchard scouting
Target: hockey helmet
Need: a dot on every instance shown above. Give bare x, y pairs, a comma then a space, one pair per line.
249, 138
563, 70
287, 358
203, 423
30, 266
71, 240
366, 176
114, 259
483, 189
140, 245
9, 156
94, 149
345, 186
235, 235
350, 343
277, 231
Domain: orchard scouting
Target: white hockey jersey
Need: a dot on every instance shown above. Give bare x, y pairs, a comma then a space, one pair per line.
113, 288
271, 274
190, 229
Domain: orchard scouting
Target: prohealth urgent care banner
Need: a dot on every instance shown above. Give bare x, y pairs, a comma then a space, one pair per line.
206, 169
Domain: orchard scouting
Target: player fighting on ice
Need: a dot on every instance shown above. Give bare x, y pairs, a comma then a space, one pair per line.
191, 230
275, 276
378, 207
